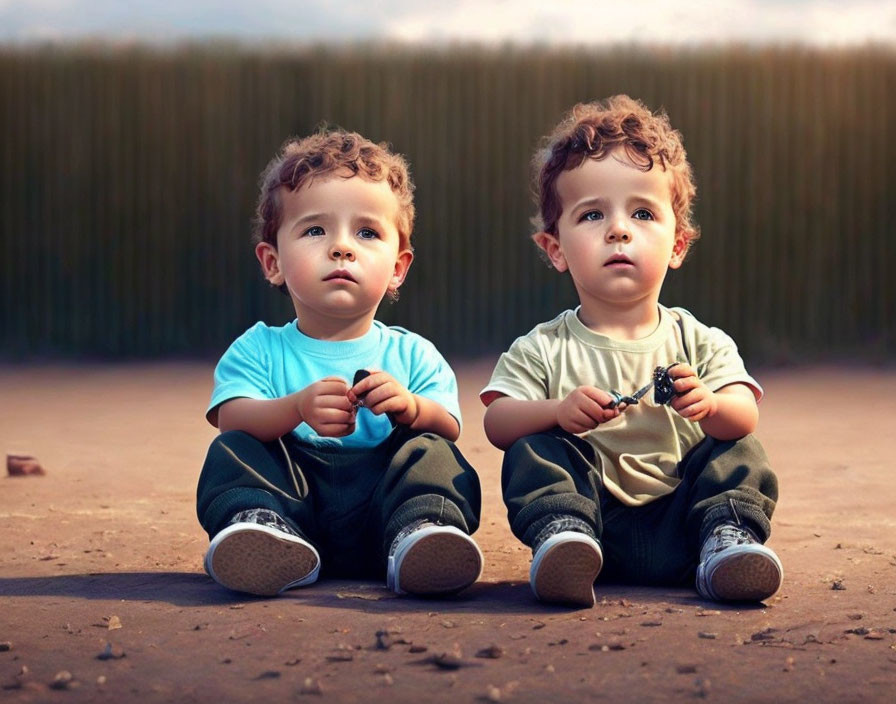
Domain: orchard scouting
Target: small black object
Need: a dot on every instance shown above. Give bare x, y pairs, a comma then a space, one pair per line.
360, 375
663, 389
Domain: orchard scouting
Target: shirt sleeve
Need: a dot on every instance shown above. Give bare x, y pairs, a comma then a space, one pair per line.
720, 363
242, 372
520, 373
433, 378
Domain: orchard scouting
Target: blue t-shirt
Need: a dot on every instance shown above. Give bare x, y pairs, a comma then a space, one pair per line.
269, 362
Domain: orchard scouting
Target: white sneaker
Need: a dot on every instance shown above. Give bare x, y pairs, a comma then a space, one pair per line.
735, 566
258, 553
564, 568
427, 559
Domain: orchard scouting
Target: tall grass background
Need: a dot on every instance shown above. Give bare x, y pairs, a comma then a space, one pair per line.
128, 178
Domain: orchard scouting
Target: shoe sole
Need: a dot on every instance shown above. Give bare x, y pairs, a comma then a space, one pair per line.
259, 560
566, 572
749, 576
442, 560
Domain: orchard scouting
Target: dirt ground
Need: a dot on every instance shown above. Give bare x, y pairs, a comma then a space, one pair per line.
101, 571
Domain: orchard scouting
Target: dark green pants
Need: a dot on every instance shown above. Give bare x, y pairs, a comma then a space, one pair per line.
348, 503
659, 543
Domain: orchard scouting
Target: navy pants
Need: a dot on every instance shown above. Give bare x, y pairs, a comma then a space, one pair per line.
349, 504
555, 473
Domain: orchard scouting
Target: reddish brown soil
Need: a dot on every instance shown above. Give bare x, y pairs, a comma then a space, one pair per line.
106, 549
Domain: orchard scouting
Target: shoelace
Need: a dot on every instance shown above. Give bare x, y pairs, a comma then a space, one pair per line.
727, 535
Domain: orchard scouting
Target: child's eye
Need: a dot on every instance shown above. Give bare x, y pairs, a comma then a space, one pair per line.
315, 231
592, 216
365, 233
642, 214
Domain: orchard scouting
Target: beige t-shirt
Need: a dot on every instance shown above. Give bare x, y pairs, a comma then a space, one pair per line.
639, 451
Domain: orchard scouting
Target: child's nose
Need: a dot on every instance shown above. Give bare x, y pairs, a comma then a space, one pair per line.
342, 253
342, 249
617, 232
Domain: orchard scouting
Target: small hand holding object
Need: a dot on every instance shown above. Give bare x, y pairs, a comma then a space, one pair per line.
381, 393
661, 383
585, 408
325, 406
692, 399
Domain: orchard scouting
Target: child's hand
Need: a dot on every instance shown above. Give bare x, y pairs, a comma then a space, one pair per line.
692, 399
381, 393
584, 409
326, 407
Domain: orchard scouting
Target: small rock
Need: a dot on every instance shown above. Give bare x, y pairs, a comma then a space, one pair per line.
110, 653
343, 653
788, 664
874, 635
311, 686
686, 669
63, 680
268, 675
492, 652
417, 649
20, 465
606, 647
837, 585
341, 657
707, 636
492, 693
447, 661
651, 624
387, 679
5, 646
767, 634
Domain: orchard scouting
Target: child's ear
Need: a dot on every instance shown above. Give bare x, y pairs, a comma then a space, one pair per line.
679, 249
402, 264
550, 245
270, 262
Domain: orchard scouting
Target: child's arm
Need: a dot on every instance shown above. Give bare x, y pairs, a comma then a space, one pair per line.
382, 393
727, 414
324, 405
509, 419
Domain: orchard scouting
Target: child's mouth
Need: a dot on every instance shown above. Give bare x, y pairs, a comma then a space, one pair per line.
340, 275
619, 260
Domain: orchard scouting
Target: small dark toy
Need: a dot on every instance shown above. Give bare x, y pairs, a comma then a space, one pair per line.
363, 374
663, 391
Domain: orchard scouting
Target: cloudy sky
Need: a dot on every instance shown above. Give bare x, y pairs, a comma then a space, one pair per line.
593, 22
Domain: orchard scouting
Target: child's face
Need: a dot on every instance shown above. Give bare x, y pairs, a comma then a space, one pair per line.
337, 251
616, 234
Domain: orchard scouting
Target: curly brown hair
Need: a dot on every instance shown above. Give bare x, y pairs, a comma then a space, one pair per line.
301, 160
593, 130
